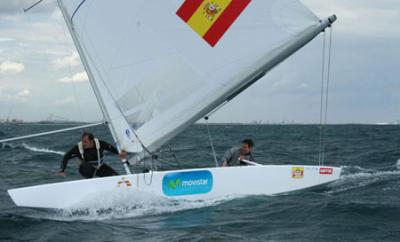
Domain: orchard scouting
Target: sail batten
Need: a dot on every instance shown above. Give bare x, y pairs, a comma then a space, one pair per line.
160, 69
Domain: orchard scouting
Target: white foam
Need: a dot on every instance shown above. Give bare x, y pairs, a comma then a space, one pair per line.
122, 204
360, 179
7, 145
353, 169
43, 150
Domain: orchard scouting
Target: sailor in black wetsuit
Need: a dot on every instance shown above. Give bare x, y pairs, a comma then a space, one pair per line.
90, 152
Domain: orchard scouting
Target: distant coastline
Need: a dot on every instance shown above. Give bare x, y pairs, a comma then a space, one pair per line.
21, 122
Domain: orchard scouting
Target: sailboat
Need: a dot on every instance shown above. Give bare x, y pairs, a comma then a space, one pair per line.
158, 66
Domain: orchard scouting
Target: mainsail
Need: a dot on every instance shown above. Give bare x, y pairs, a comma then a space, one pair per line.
158, 66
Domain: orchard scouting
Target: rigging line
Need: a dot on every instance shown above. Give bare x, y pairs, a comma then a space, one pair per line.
103, 72
211, 143
322, 99
32, 6
100, 74
328, 72
51, 132
76, 10
161, 158
327, 86
110, 93
94, 64
30, 21
145, 149
80, 50
76, 99
172, 153
103, 109
70, 72
95, 88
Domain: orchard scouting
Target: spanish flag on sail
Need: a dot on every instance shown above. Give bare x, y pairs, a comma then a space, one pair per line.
211, 18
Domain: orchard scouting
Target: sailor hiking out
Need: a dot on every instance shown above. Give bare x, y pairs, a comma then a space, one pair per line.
90, 152
237, 156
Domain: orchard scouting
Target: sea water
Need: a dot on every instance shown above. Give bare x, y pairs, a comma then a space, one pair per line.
364, 205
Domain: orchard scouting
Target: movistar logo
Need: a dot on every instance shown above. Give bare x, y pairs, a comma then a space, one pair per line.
199, 182
173, 184
187, 183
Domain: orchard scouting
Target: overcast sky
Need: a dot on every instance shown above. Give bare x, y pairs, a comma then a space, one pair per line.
41, 75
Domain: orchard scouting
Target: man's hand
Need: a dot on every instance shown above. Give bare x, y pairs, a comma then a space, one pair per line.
123, 154
61, 173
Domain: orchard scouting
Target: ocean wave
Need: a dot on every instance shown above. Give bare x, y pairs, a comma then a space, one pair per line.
348, 170
377, 174
31, 148
43, 150
123, 205
7, 146
363, 178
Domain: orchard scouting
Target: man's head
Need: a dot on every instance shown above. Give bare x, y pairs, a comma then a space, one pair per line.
87, 140
247, 145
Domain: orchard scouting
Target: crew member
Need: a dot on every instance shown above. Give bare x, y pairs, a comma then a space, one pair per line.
236, 155
90, 152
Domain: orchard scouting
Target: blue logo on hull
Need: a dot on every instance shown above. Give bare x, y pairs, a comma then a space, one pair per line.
187, 183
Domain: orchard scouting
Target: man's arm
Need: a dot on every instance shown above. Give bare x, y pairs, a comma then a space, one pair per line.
106, 146
74, 152
225, 159
251, 158
228, 157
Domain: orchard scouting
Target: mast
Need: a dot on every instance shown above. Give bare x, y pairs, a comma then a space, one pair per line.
100, 100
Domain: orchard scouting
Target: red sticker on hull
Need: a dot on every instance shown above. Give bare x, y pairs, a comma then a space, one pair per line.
325, 171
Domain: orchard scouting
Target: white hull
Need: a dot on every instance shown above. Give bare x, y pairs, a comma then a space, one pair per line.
190, 184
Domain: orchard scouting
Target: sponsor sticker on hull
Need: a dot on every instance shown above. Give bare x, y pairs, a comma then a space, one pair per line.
187, 183
325, 171
297, 172
124, 182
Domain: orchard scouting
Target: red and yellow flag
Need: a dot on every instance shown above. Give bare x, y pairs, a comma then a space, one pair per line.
211, 18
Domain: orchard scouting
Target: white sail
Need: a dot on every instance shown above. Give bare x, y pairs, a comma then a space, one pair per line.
156, 70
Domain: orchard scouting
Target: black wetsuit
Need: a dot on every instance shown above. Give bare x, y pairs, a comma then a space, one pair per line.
88, 165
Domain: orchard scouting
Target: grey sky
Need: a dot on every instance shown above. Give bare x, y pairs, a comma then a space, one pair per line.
38, 65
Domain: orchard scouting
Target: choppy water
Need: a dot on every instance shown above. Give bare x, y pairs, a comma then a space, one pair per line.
363, 206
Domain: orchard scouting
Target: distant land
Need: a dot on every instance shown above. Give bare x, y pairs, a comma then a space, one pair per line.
200, 122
